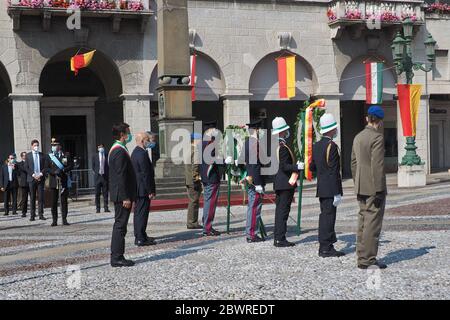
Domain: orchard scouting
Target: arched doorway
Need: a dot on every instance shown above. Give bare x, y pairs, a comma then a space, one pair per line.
80, 110
6, 116
353, 110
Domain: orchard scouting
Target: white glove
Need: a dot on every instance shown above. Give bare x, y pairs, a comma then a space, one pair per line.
337, 200
229, 160
259, 189
236, 162
300, 165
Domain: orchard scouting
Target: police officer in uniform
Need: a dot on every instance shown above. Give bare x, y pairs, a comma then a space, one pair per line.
59, 167
326, 162
194, 182
210, 175
285, 181
255, 182
370, 187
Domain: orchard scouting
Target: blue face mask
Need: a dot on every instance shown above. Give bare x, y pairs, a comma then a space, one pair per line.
130, 137
150, 145
53, 149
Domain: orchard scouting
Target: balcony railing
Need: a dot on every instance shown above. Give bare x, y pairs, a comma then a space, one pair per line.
115, 10
388, 12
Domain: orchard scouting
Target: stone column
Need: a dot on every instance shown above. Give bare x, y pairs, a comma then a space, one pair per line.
236, 109
26, 119
136, 112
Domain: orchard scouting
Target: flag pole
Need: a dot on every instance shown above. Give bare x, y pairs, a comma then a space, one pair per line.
229, 201
300, 184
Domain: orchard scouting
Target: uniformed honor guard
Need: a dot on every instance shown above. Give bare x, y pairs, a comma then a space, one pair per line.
59, 167
9, 183
285, 181
194, 182
146, 189
326, 163
122, 179
370, 187
210, 175
255, 182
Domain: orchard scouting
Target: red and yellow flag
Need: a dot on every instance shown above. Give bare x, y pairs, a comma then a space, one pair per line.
309, 127
81, 61
286, 76
409, 102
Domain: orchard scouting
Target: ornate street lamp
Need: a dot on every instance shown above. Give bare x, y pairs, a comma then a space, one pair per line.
401, 51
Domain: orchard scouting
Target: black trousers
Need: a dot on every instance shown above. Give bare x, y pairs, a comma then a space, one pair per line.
24, 200
327, 220
141, 211
121, 216
64, 205
101, 187
10, 193
37, 188
283, 203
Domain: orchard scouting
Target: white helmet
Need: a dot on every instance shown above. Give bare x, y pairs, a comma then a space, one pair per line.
279, 125
327, 123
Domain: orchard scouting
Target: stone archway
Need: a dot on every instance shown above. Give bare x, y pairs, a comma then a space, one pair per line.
92, 100
6, 118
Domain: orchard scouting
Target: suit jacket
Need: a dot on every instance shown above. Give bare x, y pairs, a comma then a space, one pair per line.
214, 175
368, 162
55, 172
4, 177
29, 165
287, 165
22, 174
326, 162
122, 178
253, 169
96, 166
145, 173
192, 170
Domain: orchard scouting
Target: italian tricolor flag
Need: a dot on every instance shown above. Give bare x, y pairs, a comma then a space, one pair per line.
286, 77
374, 82
409, 102
81, 61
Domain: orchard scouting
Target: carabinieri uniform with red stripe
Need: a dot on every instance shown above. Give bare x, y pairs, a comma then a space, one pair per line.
255, 199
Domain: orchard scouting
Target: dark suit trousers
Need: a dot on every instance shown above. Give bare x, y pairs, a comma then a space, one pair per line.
37, 188
327, 220
24, 199
121, 216
101, 187
64, 205
10, 193
141, 211
283, 203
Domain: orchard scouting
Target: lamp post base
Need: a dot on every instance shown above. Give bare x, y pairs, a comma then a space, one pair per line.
411, 176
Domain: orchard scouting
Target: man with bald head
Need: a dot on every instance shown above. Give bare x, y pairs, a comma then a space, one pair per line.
145, 176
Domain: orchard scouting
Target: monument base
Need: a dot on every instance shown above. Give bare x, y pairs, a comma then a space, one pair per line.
411, 176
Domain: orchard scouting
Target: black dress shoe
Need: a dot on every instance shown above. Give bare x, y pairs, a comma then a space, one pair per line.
331, 253
54, 224
212, 233
107, 210
42, 218
24, 215
145, 243
194, 226
14, 213
255, 239
32, 219
65, 223
283, 243
97, 211
122, 263
376, 264
6, 214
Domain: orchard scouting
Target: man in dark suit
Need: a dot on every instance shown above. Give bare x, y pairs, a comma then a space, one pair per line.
24, 188
326, 162
9, 183
36, 167
101, 174
122, 179
210, 175
146, 189
255, 182
59, 167
285, 182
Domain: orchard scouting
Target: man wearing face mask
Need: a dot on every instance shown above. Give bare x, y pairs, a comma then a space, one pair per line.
24, 189
9, 183
36, 167
146, 189
122, 179
285, 181
101, 172
326, 162
370, 187
59, 167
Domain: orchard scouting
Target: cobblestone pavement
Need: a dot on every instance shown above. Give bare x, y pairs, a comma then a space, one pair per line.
42, 262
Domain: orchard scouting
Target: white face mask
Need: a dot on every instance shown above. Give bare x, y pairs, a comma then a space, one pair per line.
288, 134
36, 148
336, 134
101, 150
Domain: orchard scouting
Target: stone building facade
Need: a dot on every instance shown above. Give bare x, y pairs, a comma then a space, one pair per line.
236, 43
